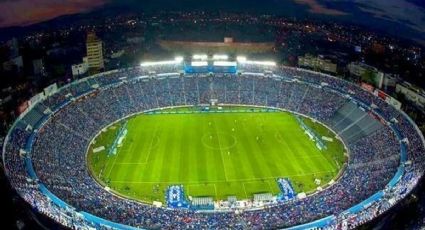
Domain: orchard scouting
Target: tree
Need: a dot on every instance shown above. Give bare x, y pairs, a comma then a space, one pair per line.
370, 77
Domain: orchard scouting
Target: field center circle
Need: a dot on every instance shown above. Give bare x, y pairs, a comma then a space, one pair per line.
213, 140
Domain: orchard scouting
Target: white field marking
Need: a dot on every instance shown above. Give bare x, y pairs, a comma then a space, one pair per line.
221, 152
250, 182
113, 165
100, 173
244, 189
219, 148
306, 156
116, 156
270, 187
220, 181
197, 185
104, 167
280, 140
337, 164
268, 183
150, 145
127, 150
278, 137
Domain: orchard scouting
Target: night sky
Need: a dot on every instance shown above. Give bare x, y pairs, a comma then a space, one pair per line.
400, 15
26, 12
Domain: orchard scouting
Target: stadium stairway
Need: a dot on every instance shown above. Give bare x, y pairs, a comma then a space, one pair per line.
352, 123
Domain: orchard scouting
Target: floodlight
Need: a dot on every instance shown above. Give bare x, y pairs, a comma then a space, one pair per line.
178, 59
224, 63
220, 57
200, 57
199, 63
241, 59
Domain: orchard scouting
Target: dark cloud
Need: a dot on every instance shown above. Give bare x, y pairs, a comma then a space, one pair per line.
25, 12
316, 7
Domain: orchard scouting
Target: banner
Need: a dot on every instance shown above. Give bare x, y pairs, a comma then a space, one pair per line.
381, 94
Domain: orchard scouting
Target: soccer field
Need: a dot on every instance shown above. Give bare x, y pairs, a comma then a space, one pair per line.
213, 154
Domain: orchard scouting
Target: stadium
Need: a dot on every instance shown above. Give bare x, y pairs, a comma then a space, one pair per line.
204, 142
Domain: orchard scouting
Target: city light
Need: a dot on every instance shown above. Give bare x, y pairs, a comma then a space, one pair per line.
200, 57
178, 59
220, 57
224, 63
241, 58
199, 63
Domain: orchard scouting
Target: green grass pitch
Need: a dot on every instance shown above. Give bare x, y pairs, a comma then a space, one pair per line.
213, 154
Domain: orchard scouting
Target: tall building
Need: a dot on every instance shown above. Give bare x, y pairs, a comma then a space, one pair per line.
412, 93
359, 69
94, 52
38, 67
13, 45
81, 68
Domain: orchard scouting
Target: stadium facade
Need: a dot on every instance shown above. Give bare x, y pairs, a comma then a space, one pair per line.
45, 150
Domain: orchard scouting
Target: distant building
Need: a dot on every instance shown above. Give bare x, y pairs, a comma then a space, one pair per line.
94, 52
358, 49
359, 69
378, 48
390, 81
13, 46
412, 93
117, 54
317, 63
80, 69
135, 40
38, 67
17, 62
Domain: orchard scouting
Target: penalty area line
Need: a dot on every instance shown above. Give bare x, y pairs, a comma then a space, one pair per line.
151, 144
244, 189
131, 163
222, 181
113, 165
221, 151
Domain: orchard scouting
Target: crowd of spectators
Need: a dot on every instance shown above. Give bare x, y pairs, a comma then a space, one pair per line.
56, 150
